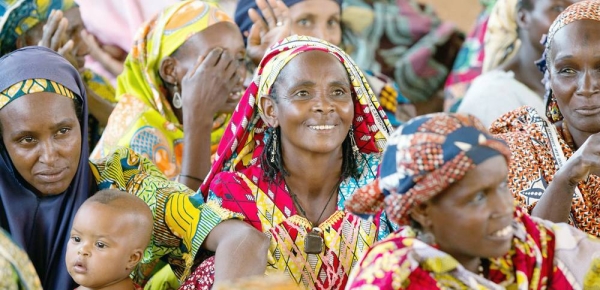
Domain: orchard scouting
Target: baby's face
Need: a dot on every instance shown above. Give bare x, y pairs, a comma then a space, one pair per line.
101, 247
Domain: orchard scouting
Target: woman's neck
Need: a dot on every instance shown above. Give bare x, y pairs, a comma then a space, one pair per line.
313, 175
524, 68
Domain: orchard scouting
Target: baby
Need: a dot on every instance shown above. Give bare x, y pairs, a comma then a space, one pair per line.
110, 232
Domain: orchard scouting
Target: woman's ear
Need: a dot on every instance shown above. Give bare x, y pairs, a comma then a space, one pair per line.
269, 111
167, 70
523, 19
135, 258
420, 214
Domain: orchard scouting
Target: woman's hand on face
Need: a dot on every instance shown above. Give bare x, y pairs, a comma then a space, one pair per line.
263, 34
111, 59
585, 161
206, 87
55, 36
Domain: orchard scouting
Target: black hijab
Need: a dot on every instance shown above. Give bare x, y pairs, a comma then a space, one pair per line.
41, 225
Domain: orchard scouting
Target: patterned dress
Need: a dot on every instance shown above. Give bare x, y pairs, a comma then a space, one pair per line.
543, 256
538, 151
237, 179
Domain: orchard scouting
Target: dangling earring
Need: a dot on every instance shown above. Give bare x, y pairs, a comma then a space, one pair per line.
552, 111
355, 150
274, 145
177, 100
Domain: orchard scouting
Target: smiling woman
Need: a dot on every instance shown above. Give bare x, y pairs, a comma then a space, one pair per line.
306, 134
443, 178
555, 171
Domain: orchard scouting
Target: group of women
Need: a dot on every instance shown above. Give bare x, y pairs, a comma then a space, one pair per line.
294, 171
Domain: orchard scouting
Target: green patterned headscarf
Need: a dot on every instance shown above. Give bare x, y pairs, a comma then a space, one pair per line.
18, 16
31, 86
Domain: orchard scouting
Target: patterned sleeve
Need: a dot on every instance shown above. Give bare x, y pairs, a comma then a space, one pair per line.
387, 265
16, 270
182, 219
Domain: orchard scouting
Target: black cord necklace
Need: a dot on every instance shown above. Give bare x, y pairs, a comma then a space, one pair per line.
313, 242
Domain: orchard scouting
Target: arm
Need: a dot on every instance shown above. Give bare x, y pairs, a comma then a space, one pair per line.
241, 250
99, 107
555, 203
205, 89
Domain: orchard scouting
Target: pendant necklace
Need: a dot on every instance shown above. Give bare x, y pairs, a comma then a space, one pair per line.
313, 242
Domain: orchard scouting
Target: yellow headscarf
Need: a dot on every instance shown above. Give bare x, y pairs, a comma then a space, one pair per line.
144, 119
501, 40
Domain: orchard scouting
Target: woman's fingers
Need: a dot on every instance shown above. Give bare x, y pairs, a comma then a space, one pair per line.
66, 49
281, 12
267, 12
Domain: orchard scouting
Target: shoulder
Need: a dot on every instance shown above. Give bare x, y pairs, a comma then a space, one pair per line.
390, 263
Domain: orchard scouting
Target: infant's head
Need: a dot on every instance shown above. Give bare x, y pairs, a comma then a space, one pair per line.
109, 235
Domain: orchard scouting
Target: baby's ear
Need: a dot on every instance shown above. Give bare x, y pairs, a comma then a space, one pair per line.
135, 258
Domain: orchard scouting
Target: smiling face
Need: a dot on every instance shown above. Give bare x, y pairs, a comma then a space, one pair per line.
42, 136
317, 18
101, 248
482, 210
574, 65
225, 35
313, 104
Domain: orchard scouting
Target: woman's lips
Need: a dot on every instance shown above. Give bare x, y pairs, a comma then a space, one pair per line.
588, 111
51, 176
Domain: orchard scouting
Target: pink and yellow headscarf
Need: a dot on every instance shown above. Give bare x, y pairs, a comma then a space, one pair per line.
243, 143
144, 119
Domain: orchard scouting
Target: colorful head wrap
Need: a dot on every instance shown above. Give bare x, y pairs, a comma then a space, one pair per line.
18, 16
584, 10
423, 158
144, 119
158, 38
501, 40
242, 143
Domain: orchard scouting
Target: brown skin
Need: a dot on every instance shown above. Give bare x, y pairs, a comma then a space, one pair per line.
63, 32
464, 217
313, 89
317, 18
263, 33
533, 24
104, 235
50, 139
42, 136
209, 70
575, 82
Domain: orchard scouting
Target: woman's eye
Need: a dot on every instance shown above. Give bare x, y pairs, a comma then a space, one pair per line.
302, 94
566, 71
304, 22
26, 140
333, 22
63, 130
340, 93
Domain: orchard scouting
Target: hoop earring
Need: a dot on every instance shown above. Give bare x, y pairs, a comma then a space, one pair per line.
177, 100
274, 146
